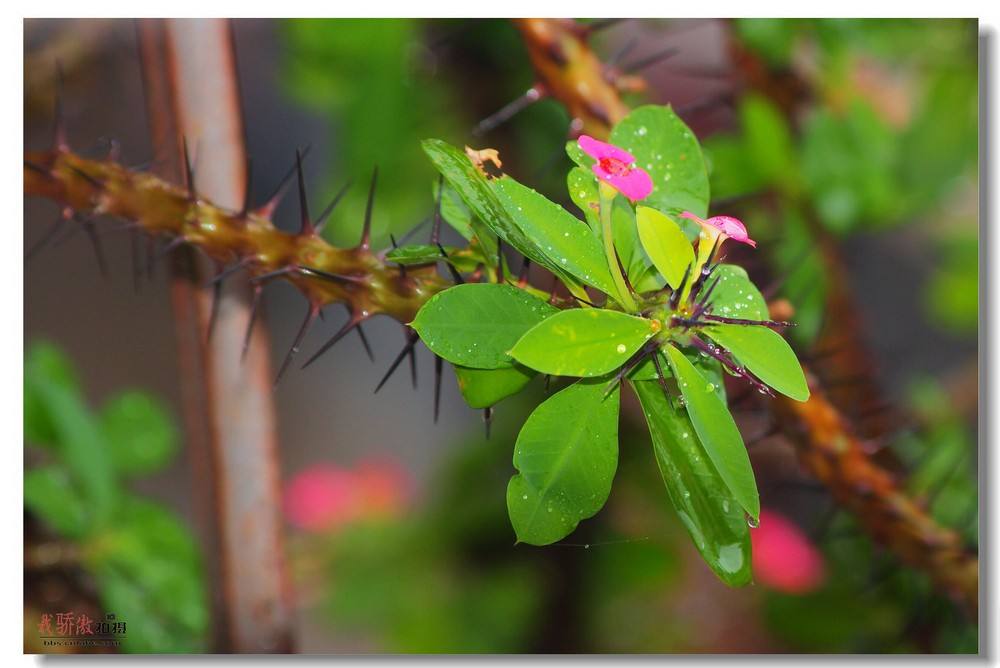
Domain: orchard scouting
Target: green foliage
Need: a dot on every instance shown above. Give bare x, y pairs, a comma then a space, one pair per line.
765, 354
499, 336
706, 507
477, 324
482, 388
566, 453
583, 342
367, 80
562, 238
717, 431
144, 561
665, 243
666, 148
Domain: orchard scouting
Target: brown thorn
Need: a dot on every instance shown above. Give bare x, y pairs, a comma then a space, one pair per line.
411, 341
307, 322
248, 180
352, 323
254, 306
509, 110
366, 229
364, 341
457, 277
651, 60
325, 215
305, 224
438, 369
95, 241
267, 209
50, 234
488, 420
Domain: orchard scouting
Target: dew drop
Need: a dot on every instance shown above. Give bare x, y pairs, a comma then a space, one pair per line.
621, 348
752, 523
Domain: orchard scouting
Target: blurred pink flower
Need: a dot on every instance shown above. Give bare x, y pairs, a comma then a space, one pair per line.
725, 226
784, 558
325, 497
616, 167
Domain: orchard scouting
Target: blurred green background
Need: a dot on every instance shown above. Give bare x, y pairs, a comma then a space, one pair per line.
414, 552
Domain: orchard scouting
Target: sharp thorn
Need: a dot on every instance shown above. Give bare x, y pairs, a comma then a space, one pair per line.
311, 314
325, 215
86, 177
351, 323
522, 277
457, 277
651, 60
676, 295
227, 272
95, 241
438, 369
333, 278
50, 233
617, 56
188, 172
413, 367
271, 203
364, 341
661, 377
254, 306
488, 420
35, 167
247, 190
411, 341
261, 278
366, 229
305, 223
213, 314
508, 111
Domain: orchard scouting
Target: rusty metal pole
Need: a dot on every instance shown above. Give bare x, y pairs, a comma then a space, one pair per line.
192, 95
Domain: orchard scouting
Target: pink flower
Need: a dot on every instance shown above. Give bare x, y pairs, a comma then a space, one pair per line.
785, 559
616, 167
326, 497
725, 226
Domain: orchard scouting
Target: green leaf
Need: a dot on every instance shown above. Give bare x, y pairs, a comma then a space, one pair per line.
766, 354
148, 570
482, 388
665, 243
577, 155
484, 202
140, 433
581, 184
666, 148
736, 296
71, 432
705, 505
47, 364
476, 324
49, 493
561, 237
709, 367
567, 454
717, 431
583, 342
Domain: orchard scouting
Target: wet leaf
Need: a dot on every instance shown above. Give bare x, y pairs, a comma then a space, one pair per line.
583, 342
706, 507
565, 240
482, 388
566, 455
666, 148
735, 296
717, 431
766, 354
665, 244
476, 324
